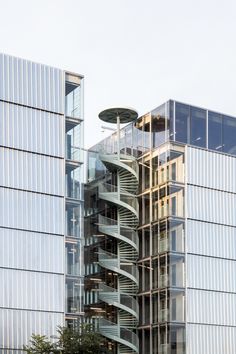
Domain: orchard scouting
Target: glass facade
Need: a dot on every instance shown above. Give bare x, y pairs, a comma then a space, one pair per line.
204, 128
183, 183
161, 238
36, 198
74, 198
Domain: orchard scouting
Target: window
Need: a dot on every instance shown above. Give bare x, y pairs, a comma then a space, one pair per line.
229, 135
173, 309
173, 206
73, 92
215, 131
181, 122
198, 127
173, 240
173, 171
173, 274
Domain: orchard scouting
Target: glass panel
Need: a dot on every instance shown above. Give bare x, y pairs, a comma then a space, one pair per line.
74, 220
155, 240
74, 188
73, 92
176, 233
155, 274
198, 127
171, 119
173, 171
73, 143
73, 295
176, 268
173, 309
229, 135
146, 235
181, 122
73, 258
155, 308
177, 340
158, 126
215, 131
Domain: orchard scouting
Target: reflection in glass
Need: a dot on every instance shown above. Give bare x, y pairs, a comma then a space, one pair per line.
73, 295
73, 143
158, 126
181, 122
73, 258
73, 92
229, 135
198, 127
74, 187
171, 119
74, 220
215, 131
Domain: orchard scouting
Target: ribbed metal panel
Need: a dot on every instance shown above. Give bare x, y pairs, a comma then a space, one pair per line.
211, 169
31, 290
17, 326
31, 84
202, 339
32, 130
211, 239
211, 273
32, 251
211, 307
211, 205
32, 172
31, 211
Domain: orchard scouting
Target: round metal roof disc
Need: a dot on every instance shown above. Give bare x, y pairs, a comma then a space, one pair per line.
126, 115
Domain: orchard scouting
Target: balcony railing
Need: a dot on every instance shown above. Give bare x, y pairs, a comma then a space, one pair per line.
163, 280
163, 315
113, 225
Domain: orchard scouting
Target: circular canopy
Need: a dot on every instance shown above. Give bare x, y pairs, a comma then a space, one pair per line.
126, 115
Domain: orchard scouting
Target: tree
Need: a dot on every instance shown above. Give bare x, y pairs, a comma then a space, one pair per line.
70, 341
39, 345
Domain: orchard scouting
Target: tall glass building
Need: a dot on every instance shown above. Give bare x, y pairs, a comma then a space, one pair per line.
184, 258
41, 203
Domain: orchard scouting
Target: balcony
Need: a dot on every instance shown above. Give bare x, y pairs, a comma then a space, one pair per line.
163, 315
163, 281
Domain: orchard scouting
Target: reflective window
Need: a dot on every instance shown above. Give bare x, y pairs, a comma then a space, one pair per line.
74, 290
73, 93
181, 122
215, 131
229, 135
158, 126
74, 220
198, 127
171, 119
73, 258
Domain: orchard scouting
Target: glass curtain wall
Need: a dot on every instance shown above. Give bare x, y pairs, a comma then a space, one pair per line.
201, 127
74, 198
162, 247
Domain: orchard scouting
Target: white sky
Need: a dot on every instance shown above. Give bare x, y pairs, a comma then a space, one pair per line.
132, 52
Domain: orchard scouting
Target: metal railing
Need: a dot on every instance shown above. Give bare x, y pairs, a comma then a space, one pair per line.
123, 299
124, 333
112, 260
112, 225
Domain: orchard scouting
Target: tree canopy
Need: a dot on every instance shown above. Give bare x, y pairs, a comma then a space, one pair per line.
68, 341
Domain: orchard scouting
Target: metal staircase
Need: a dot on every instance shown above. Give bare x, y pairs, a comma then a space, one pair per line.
123, 261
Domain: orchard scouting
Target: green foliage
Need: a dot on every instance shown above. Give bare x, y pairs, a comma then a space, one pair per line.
70, 341
39, 345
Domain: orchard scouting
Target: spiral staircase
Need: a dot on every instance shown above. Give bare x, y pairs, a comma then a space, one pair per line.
123, 261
